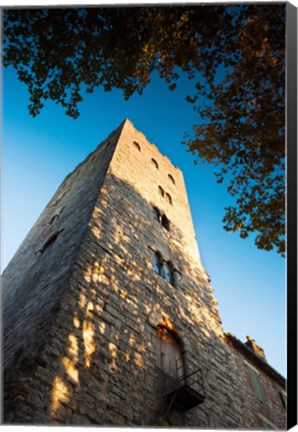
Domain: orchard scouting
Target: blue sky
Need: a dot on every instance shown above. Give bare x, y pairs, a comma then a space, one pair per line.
38, 153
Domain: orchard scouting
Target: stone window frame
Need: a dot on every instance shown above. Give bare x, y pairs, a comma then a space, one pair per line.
161, 218
165, 195
160, 265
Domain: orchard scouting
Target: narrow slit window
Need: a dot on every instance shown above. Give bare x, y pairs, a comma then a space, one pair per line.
50, 240
154, 163
171, 178
158, 264
137, 146
165, 222
156, 214
161, 191
168, 198
161, 218
168, 269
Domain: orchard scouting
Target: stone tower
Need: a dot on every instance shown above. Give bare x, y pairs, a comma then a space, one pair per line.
109, 316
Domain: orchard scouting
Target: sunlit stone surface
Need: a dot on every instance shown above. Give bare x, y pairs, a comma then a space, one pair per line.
90, 327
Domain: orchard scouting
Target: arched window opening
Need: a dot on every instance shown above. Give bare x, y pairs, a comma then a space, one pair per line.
164, 269
168, 271
154, 163
156, 214
161, 218
168, 198
171, 178
165, 222
158, 264
161, 191
168, 353
137, 146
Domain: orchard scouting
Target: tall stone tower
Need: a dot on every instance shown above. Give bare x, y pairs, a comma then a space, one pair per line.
109, 316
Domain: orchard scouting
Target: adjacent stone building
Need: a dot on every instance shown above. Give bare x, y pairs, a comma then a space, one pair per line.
109, 316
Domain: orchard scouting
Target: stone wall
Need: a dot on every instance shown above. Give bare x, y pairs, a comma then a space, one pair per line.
256, 412
35, 279
99, 363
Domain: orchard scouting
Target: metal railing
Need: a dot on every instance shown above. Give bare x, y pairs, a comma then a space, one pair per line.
193, 380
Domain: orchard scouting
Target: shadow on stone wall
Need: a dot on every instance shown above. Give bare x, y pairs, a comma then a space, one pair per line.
98, 363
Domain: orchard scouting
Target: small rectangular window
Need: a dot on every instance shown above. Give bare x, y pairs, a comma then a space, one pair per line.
254, 377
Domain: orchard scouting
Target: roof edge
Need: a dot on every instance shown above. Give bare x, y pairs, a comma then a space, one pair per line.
255, 358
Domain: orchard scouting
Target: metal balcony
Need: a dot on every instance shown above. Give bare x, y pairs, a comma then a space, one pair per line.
187, 391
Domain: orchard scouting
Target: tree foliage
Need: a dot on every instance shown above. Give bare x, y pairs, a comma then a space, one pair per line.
234, 54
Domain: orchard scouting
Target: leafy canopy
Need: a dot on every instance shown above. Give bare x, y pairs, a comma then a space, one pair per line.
235, 54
